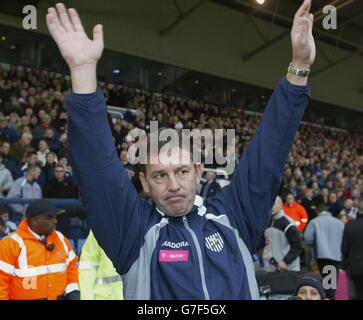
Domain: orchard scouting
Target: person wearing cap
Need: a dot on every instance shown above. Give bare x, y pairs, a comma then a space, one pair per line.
37, 262
310, 287
325, 234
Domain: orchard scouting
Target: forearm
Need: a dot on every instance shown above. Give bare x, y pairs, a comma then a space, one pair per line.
255, 184
294, 252
84, 79
114, 210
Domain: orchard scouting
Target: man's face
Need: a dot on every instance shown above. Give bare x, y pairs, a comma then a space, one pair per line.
43, 146
290, 199
308, 293
172, 186
348, 204
41, 114
34, 174
63, 161
26, 140
49, 133
31, 160
47, 119
309, 193
44, 224
6, 148
5, 217
297, 173
333, 198
24, 121
59, 173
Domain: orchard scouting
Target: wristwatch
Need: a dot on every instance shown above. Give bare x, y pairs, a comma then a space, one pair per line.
298, 72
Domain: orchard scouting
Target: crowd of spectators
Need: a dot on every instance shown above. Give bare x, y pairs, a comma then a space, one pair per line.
34, 155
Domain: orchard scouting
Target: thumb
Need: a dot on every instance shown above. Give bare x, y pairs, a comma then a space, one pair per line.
98, 34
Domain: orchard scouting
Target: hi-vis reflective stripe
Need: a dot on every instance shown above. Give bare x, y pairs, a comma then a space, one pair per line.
61, 237
7, 268
41, 270
108, 280
22, 259
304, 220
85, 265
71, 256
71, 287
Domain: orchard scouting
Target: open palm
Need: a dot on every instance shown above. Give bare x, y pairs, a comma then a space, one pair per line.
303, 43
67, 31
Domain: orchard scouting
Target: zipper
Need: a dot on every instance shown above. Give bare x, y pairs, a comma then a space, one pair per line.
200, 260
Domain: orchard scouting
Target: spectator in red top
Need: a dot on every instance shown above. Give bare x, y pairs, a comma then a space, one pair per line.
296, 211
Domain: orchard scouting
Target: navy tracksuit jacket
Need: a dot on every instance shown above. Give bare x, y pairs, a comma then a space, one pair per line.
205, 254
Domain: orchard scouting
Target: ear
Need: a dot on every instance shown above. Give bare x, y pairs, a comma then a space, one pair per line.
32, 221
198, 172
144, 183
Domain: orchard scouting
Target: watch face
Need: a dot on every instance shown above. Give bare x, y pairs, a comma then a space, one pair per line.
298, 72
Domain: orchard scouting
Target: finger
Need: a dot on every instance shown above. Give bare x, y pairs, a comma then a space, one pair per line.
75, 19
64, 18
98, 34
54, 30
304, 9
55, 19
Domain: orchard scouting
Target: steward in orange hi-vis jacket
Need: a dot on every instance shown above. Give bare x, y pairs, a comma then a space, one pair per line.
36, 261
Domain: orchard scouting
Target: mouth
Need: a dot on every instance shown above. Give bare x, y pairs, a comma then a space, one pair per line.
175, 198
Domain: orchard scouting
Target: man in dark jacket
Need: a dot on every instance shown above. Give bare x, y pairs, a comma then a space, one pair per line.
210, 186
283, 242
193, 249
60, 188
352, 249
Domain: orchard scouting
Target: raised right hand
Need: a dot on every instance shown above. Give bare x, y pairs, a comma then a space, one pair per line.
77, 49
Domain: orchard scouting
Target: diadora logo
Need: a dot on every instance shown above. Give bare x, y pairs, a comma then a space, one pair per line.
175, 245
214, 242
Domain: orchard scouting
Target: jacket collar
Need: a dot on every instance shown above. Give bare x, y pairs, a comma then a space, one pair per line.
197, 206
325, 213
25, 232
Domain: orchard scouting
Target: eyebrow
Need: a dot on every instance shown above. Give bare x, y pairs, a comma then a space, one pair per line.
163, 171
182, 167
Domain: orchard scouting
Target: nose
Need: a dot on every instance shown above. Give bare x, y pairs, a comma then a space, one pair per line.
173, 185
